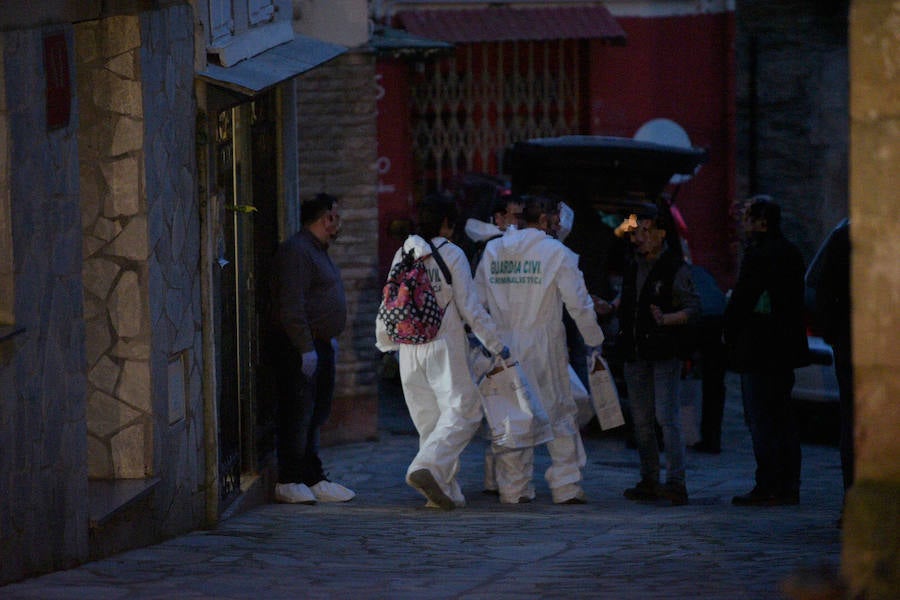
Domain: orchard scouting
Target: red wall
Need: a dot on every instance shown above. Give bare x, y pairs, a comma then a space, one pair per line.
679, 68
394, 165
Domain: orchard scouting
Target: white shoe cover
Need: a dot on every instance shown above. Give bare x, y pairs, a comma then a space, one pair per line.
427, 485
294, 493
329, 491
569, 494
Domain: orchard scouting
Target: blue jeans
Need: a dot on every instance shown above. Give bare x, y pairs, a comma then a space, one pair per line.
769, 413
653, 397
304, 405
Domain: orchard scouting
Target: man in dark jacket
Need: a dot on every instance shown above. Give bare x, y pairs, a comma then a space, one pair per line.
766, 339
310, 311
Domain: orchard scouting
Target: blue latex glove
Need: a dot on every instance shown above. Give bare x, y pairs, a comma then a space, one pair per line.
309, 364
504, 354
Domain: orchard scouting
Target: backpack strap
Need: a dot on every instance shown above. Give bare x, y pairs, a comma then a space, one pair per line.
440, 262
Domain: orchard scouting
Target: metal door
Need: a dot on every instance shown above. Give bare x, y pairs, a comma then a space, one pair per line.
246, 157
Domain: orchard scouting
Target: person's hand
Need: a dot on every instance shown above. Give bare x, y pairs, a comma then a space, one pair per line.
626, 227
309, 364
601, 306
504, 354
657, 314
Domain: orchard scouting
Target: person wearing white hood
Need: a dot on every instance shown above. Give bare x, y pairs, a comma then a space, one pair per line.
443, 401
525, 278
506, 215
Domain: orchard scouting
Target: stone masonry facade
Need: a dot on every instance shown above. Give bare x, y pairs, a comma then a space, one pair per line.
43, 474
141, 253
114, 215
101, 379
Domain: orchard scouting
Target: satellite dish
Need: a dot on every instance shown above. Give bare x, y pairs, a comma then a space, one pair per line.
666, 132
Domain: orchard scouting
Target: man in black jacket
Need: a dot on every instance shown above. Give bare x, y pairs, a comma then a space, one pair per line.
766, 340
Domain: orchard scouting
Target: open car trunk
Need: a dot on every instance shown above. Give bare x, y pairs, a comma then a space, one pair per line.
611, 172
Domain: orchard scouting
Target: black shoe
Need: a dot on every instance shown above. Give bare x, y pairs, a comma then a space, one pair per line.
674, 492
706, 448
644, 490
758, 497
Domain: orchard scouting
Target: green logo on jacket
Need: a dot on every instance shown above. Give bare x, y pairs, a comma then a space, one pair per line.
516, 271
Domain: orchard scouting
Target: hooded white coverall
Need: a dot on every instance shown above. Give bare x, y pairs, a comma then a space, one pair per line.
445, 405
525, 278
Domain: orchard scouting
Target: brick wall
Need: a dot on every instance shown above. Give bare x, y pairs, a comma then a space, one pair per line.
337, 152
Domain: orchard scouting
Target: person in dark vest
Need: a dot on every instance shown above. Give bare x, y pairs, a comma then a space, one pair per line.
658, 306
765, 337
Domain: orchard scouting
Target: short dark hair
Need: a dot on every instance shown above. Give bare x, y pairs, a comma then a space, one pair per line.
433, 209
502, 202
313, 208
763, 207
535, 206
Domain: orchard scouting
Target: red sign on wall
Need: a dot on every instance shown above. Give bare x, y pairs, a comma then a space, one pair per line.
56, 72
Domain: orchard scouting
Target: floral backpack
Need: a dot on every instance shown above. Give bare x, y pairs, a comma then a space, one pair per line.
409, 308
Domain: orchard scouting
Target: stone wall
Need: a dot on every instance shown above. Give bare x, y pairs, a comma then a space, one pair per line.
43, 440
871, 542
792, 103
337, 153
103, 380
141, 268
173, 267
114, 215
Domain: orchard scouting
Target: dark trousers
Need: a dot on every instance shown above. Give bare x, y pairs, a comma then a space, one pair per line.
770, 415
303, 407
713, 364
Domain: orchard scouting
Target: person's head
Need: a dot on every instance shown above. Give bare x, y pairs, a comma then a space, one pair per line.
541, 213
647, 232
507, 210
761, 217
437, 216
320, 216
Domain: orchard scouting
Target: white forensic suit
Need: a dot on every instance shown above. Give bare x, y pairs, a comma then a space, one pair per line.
525, 278
443, 401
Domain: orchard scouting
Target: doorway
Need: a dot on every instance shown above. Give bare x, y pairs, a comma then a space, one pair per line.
247, 178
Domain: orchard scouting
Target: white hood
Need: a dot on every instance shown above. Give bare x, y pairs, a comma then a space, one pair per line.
566, 221
419, 245
479, 231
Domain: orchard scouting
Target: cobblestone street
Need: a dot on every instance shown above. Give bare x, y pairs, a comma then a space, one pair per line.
385, 544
